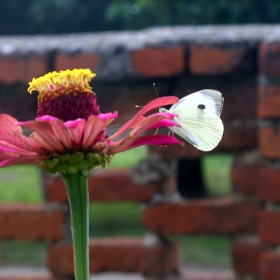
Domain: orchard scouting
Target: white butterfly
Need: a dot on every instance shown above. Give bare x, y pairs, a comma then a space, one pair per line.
199, 118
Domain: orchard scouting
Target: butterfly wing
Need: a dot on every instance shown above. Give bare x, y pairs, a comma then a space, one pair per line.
212, 99
199, 119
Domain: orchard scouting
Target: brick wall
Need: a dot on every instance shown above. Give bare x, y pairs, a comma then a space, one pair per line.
269, 115
240, 61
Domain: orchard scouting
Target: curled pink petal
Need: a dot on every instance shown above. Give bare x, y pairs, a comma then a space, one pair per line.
108, 116
159, 140
12, 135
6, 147
156, 103
46, 118
12, 160
75, 131
74, 123
61, 133
94, 126
164, 123
150, 121
45, 135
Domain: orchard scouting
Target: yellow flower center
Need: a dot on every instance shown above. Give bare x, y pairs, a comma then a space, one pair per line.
64, 82
66, 95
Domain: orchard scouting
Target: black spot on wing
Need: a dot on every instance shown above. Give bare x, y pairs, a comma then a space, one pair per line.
201, 106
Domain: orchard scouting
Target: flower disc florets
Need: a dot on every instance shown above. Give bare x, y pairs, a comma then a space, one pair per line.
66, 95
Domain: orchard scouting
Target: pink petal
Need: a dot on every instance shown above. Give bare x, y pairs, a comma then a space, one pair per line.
7, 147
57, 126
94, 125
73, 123
61, 133
44, 135
164, 123
108, 116
75, 130
156, 103
11, 160
46, 118
69, 133
146, 124
11, 135
159, 140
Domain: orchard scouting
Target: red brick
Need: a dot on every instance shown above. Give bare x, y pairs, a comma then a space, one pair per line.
239, 136
269, 141
270, 266
269, 226
81, 60
211, 216
234, 139
246, 256
159, 62
269, 59
269, 101
21, 69
268, 185
240, 97
104, 185
30, 222
120, 254
245, 172
205, 59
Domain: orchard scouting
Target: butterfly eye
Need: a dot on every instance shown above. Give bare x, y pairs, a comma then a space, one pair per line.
201, 106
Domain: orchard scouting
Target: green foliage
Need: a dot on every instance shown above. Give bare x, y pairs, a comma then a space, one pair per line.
180, 12
216, 170
24, 252
115, 219
205, 250
69, 16
21, 183
128, 158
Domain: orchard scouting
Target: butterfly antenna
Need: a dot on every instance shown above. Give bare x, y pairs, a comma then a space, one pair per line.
154, 85
156, 131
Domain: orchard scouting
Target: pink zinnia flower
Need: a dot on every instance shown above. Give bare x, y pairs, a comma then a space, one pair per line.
69, 136
69, 132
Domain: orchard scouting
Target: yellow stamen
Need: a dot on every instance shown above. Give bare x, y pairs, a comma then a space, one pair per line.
56, 83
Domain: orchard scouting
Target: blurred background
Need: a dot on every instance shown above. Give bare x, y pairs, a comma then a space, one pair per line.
31, 17
68, 16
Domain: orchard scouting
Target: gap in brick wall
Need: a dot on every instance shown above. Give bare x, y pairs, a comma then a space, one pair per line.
204, 251
20, 184
14, 252
115, 219
205, 177
216, 174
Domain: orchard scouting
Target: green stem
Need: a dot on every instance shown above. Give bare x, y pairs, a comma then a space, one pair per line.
77, 188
